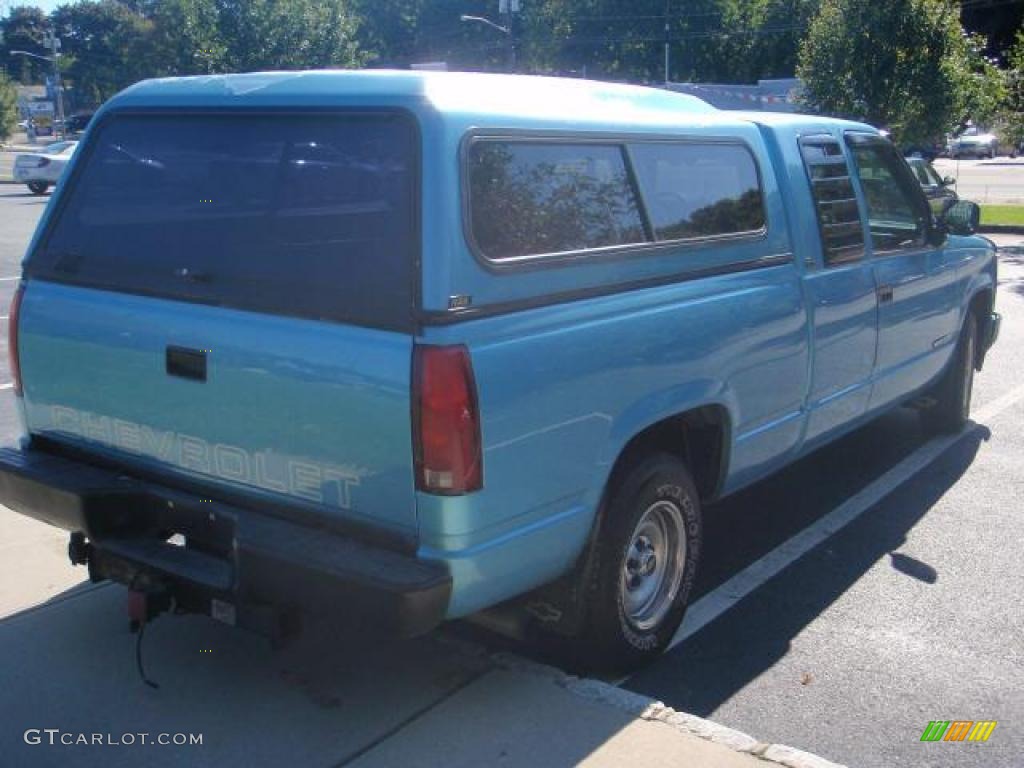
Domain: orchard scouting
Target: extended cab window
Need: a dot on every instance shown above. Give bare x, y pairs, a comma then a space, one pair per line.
897, 210
835, 202
529, 198
698, 190
299, 214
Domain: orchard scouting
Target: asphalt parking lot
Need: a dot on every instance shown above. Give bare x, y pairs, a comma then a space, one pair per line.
999, 180
843, 604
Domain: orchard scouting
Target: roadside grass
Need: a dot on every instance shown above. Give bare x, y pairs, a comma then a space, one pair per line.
1003, 214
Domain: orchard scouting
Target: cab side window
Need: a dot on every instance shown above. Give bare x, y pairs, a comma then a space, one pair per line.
897, 210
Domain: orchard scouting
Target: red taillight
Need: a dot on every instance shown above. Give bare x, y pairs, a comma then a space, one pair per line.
446, 421
12, 338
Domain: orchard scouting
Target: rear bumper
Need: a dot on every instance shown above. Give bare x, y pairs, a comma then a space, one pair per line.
236, 563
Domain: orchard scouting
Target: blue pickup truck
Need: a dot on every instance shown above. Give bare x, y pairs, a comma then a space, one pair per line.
405, 346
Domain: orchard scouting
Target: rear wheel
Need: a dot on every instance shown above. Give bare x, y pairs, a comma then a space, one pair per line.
646, 559
38, 187
955, 388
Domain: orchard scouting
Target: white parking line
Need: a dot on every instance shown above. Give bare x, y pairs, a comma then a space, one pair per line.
9, 385
16, 277
726, 595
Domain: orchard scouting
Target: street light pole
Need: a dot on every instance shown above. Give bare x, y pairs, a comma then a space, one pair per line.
507, 31
53, 42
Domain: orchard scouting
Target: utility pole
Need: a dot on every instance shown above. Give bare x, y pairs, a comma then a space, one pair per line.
666, 42
53, 43
508, 9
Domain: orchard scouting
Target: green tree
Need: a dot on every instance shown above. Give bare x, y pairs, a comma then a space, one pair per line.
1012, 110
104, 47
709, 40
185, 39
8, 107
730, 40
22, 30
904, 64
287, 34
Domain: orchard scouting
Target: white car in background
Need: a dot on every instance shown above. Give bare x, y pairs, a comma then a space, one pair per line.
41, 170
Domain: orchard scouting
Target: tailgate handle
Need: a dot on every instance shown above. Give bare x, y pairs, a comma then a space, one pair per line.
186, 363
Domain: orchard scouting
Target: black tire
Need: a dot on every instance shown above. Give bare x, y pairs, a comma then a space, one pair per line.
38, 187
615, 638
953, 391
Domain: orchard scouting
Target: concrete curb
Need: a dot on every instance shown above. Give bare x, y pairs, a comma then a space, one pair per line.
1001, 229
646, 708
18, 148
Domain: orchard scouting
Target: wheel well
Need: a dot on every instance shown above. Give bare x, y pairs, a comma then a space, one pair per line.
697, 437
981, 303
981, 308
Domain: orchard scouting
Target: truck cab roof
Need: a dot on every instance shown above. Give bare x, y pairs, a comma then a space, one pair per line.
526, 99
460, 95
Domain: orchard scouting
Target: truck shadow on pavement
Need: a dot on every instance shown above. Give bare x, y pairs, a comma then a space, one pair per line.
712, 665
1012, 255
705, 670
69, 664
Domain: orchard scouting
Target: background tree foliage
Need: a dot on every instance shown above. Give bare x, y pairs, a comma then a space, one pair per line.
8, 107
109, 44
904, 64
1012, 117
104, 46
23, 30
901, 63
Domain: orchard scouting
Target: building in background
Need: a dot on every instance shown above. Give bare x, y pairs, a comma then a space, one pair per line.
768, 95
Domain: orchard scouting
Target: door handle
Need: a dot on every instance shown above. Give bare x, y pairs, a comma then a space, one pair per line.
186, 363
884, 294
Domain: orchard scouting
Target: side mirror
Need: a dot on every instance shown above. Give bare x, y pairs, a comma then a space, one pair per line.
949, 181
962, 218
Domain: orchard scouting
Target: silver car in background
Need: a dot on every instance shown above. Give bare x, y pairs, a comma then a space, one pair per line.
973, 143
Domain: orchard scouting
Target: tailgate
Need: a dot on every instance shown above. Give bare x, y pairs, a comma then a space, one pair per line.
228, 298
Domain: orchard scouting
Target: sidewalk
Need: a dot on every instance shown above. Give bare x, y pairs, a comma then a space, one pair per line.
338, 700
525, 714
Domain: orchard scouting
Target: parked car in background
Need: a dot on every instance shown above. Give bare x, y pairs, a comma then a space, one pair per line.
927, 150
76, 124
41, 170
938, 190
973, 143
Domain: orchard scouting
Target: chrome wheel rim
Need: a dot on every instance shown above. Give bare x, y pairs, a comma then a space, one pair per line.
652, 570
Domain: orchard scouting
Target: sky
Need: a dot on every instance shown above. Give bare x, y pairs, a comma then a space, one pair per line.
46, 5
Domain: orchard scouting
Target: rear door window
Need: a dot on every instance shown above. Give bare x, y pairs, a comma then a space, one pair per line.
310, 215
